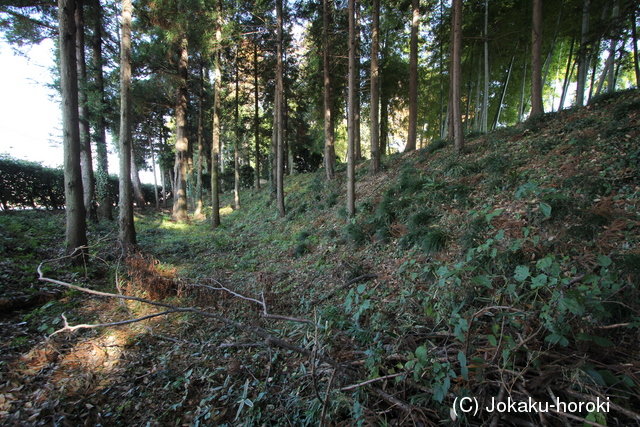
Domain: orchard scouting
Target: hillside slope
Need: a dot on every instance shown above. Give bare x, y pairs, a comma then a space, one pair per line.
508, 274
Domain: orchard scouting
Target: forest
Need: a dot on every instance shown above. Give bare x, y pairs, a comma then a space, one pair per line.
363, 213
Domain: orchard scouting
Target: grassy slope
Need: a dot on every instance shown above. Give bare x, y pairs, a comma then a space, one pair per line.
513, 267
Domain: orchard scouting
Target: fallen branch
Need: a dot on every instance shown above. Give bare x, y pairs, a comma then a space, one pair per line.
346, 285
386, 377
262, 303
68, 328
394, 401
269, 339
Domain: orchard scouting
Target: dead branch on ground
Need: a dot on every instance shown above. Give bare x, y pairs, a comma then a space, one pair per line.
269, 339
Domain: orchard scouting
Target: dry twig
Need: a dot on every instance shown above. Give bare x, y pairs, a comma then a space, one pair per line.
269, 339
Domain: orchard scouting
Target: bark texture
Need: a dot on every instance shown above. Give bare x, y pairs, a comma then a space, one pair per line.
76, 218
126, 229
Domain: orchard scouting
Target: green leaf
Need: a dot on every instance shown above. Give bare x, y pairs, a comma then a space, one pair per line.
481, 280
492, 340
440, 391
604, 261
442, 271
545, 262
493, 214
521, 274
557, 339
538, 281
602, 342
464, 370
570, 304
608, 377
421, 353
596, 377
361, 288
546, 209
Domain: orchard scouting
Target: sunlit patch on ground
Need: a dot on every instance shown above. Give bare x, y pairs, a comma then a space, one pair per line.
60, 369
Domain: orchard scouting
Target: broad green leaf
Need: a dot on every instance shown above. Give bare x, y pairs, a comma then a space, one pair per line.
538, 281
421, 353
557, 339
464, 370
492, 340
604, 261
546, 209
596, 377
481, 280
493, 214
602, 342
570, 304
521, 274
545, 262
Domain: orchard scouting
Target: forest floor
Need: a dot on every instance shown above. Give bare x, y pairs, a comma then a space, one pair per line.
506, 276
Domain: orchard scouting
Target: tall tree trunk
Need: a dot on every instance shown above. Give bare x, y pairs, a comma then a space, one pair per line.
441, 120
547, 61
634, 35
182, 143
256, 120
329, 139
567, 75
582, 55
236, 144
215, 142
163, 182
199, 167
126, 229
356, 105
76, 218
351, 176
86, 164
163, 172
155, 176
485, 91
522, 91
375, 94
536, 60
467, 115
611, 85
138, 195
478, 106
288, 145
384, 122
413, 77
105, 211
279, 113
456, 75
504, 92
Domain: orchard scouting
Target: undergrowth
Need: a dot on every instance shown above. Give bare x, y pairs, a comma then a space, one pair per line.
510, 271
